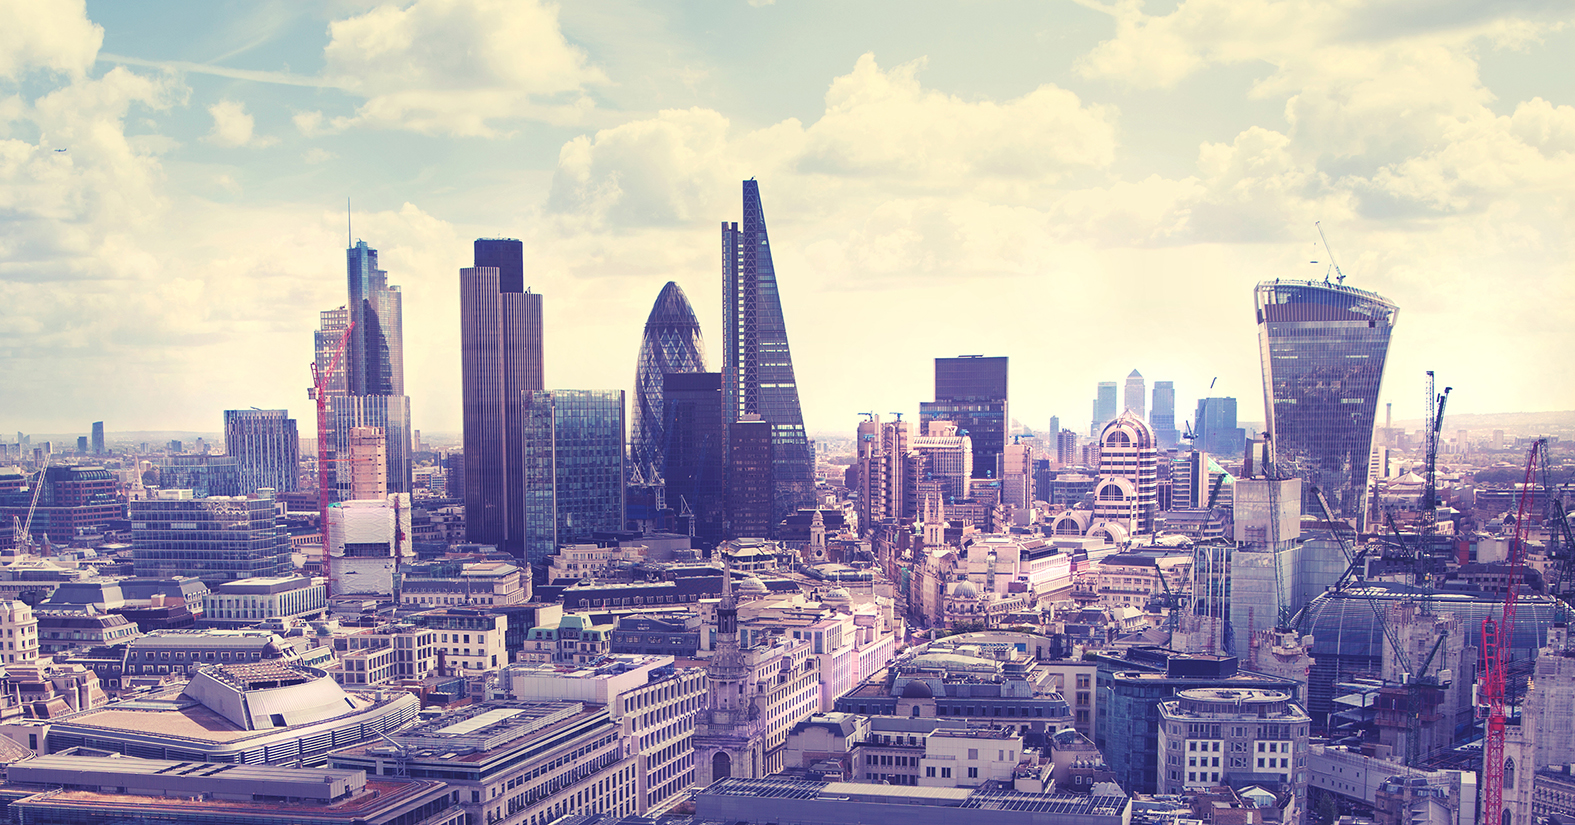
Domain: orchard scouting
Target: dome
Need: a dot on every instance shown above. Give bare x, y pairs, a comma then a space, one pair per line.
966, 590
752, 586
917, 689
838, 595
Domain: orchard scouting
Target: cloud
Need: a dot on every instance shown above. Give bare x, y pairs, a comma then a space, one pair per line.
459, 67
54, 36
232, 126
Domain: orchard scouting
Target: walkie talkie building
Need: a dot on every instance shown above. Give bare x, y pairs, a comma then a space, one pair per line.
757, 373
1323, 347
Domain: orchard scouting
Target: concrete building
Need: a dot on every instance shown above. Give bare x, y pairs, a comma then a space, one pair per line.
1240, 738
1126, 499
365, 464
368, 539
453, 583
19, 627
575, 639
945, 456
513, 763
808, 802
249, 602
60, 630
83, 788
470, 639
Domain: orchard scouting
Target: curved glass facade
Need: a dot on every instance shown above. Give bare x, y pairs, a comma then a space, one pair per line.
1323, 348
672, 344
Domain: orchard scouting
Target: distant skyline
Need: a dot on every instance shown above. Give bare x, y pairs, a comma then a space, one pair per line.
1085, 188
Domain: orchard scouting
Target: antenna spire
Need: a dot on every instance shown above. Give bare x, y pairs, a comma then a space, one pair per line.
349, 233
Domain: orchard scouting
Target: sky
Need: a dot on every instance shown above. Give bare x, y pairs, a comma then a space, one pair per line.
1086, 187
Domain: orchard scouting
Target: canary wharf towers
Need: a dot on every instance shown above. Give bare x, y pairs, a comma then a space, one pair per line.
757, 372
1323, 347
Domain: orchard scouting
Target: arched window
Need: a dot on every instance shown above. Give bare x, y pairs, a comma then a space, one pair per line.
1118, 439
1509, 775
721, 766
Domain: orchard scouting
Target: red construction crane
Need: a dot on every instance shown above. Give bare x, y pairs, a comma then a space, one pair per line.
1497, 637
320, 379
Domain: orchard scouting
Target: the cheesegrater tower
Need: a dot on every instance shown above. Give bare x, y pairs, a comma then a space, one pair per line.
1323, 347
757, 373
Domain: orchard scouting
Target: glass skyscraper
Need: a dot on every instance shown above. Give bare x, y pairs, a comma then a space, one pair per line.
672, 344
216, 539
368, 387
267, 448
1104, 407
574, 468
757, 372
970, 391
1323, 348
694, 452
1162, 415
501, 364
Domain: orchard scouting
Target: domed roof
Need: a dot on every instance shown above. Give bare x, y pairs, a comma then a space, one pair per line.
752, 585
837, 594
965, 590
917, 689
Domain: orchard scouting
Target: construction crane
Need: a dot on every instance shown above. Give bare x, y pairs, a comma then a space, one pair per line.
1497, 638
319, 393
24, 530
1338, 274
1435, 426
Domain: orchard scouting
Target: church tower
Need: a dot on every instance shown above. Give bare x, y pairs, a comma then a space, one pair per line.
730, 734
934, 520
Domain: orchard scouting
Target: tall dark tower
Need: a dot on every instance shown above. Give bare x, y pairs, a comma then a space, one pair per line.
757, 373
368, 388
672, 344
695, 447
1323, 347
500, 363
970, 391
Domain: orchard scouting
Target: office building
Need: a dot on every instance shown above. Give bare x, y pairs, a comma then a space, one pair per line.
944, 457
1104, 407
1126, 498
454, 582
98, 438
364, 465
1239, 738
1162, 415
501, 364
217, 539
970, 391
266, 446
672, 344
1134, 395
72, 499
367, 388
750, 483
573, 466
1216, 431
203, 475
1323, 348
694, 454
782, 801
514, 763
368, 539
757, 366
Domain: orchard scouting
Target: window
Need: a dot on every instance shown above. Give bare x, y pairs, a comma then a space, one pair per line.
973, 773
946, 773
1260, 762
929, 771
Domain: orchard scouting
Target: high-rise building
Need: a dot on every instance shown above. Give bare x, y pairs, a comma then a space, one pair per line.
1055, 428
98, 438
1162, 416
203, 475
694, 453
1323, 348
1126, 499
267, 448
1066, 447
672, 344
574, 468
216, 539
1134, 395
367, 388
1216, 431
367, 541
1104, 407
72, 499
365, 465
501, 364
750, 485
757, 366
945, 456
970, 391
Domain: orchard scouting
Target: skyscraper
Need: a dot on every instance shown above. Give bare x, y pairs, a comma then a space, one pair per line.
970, 391
694, 452
1127, 493
750, 486
367, 389
1216, 431
757, 366
1162, 417
1104, 407
672, 344
1323, 348
500, 365
266, 446
98, 438
574, 468
1133, 396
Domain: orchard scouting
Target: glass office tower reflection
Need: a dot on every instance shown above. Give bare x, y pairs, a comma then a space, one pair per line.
1323, 348
574, 468
672, 344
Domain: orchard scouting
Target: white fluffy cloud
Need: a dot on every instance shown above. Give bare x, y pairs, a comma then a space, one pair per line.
233, 127
459, 67
54, 36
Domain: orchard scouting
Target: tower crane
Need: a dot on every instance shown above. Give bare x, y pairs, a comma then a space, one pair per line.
1435, 426
24, 530
1497, 636
319, 393
1340, 276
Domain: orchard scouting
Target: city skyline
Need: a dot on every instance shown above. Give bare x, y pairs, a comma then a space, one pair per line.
230, 150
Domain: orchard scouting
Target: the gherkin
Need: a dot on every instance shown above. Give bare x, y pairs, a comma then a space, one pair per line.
672, 343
